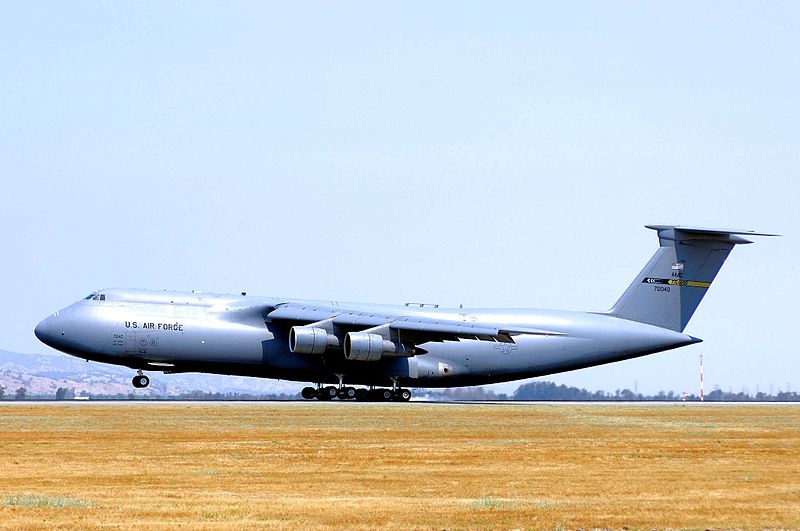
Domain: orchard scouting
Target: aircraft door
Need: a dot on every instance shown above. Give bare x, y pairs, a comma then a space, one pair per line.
130, 342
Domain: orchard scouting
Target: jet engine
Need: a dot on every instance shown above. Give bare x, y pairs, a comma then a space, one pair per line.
310, 340
363, 346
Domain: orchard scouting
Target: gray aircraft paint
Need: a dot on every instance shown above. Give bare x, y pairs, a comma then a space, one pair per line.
249, 335
680, 273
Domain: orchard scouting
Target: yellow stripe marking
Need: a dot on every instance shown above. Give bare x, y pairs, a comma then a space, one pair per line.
689, 283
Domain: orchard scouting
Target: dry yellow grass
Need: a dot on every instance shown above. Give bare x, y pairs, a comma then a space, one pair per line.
313, 465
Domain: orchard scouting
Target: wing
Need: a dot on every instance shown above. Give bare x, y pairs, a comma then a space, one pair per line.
370, 335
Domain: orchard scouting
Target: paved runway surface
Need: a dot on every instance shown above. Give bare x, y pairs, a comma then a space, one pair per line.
311, 403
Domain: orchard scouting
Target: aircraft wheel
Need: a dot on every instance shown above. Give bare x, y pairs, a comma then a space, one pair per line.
405, 395
308, 393
327, 393
362, 395
386, 395
140, 382
349, 393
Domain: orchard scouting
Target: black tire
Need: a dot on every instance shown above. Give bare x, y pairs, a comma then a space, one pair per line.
135, 382
308, 393
386, 395
327, 393
405, 395
349, 393
362, 395
140, 382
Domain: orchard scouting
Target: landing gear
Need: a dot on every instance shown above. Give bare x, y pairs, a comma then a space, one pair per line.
400, 395
327, 393
140, 381
342, 392
388, 395
346, 393
309, 393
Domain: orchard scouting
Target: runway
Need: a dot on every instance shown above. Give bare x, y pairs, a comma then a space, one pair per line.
352, 403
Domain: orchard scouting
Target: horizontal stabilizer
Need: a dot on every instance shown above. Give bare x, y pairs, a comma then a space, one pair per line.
681, 232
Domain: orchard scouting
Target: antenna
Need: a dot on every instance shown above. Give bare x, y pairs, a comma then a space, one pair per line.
702, 398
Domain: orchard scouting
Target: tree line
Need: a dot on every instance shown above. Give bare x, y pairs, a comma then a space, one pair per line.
551, 391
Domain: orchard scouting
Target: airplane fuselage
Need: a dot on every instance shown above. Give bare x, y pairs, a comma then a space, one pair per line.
233, 334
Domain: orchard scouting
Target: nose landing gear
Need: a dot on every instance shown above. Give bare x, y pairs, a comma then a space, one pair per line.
140, 381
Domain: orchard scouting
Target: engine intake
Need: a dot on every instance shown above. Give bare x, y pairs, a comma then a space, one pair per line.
363, 346
310, 340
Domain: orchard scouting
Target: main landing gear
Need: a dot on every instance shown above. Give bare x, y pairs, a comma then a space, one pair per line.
360, 394
140, 381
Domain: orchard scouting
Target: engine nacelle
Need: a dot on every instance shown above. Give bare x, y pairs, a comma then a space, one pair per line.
310, 340
363, 346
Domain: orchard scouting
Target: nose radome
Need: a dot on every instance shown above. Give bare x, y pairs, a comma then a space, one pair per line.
45, 331
41, 330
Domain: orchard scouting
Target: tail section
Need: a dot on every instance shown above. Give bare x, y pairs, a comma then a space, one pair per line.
670, 287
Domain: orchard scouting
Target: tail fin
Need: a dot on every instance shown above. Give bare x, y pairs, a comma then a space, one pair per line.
670, 287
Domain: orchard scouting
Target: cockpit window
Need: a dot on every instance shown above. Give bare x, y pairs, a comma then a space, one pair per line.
90, 296
96, 296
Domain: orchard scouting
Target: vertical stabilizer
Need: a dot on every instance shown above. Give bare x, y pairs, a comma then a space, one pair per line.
670, 287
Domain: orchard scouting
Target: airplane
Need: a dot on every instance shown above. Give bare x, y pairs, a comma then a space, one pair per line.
389, 348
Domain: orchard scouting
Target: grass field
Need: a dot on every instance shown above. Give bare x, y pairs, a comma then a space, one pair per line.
401, 466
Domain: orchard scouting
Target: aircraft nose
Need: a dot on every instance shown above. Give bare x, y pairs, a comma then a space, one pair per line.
46, 332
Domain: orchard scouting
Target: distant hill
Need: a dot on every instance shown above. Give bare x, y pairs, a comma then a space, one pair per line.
42, 374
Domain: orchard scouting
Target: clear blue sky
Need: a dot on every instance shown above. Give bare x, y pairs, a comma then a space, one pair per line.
478, 153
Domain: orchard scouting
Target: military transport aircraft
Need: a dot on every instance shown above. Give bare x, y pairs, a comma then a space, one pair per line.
390, 348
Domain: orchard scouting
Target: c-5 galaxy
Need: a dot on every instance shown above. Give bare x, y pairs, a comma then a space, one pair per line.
390, 348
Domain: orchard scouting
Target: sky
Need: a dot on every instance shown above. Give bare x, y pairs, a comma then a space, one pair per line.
476, 153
